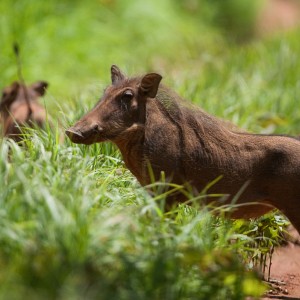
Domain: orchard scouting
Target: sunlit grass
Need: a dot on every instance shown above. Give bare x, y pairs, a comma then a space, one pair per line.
73, 227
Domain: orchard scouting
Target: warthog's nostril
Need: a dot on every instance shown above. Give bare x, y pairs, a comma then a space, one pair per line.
97, 128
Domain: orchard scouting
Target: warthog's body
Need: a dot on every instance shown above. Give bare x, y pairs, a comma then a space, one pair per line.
19, 107
151, 125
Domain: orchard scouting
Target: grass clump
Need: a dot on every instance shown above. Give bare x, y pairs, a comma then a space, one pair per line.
72, 231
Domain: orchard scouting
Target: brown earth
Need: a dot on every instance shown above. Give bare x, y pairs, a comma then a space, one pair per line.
285, 271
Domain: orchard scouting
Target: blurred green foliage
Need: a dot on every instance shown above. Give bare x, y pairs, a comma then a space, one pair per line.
73, 42
233, 18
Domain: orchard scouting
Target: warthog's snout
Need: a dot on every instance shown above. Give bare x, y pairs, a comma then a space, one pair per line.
74, 135
85, 135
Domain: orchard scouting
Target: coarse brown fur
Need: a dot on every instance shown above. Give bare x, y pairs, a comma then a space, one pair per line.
152, 125
19, 107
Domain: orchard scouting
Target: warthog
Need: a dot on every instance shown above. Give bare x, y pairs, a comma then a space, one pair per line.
153, 126
19, 107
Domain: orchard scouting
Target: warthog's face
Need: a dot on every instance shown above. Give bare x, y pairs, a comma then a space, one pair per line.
121, 106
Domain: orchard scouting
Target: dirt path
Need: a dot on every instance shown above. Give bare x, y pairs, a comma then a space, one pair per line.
286, 271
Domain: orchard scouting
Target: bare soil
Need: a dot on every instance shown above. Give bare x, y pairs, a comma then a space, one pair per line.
285, 271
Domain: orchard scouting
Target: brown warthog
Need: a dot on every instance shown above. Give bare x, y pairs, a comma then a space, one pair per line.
152, 125
19, 107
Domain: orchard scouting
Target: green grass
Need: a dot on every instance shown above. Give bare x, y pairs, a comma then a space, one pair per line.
74, 223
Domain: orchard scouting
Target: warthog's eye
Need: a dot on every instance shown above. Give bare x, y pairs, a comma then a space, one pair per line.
127, 95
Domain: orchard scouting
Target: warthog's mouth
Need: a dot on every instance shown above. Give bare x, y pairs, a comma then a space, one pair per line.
98, 135
86, 138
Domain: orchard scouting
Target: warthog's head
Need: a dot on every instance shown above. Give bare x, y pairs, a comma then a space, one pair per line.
19, 107
18, 93
121, 106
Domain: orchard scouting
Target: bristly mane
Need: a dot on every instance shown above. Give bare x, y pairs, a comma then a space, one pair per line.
210, 131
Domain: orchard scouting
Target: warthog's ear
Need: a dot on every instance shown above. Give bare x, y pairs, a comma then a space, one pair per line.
116, 74
149, 84
9, 95
40, 87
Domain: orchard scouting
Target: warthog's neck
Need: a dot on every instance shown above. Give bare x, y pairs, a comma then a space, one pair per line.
130, 143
